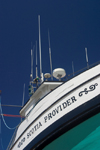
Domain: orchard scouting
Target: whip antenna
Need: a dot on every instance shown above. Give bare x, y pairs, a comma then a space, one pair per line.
36, 62
86, 58
23, 95
41, 74
32, 51
50, 55
31, 64
73, 67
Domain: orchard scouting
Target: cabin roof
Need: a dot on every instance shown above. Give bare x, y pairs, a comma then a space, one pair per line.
44, 89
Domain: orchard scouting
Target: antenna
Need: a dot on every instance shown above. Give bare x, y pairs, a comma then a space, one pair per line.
73, 68
36, 61
31, 75
23, 95
41, 74
30, 89
31, 64
50, 55
86, 58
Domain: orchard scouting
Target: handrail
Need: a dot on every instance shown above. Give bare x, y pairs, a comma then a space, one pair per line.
12, 139
82, 70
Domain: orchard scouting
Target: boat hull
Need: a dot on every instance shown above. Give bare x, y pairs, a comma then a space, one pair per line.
73, 107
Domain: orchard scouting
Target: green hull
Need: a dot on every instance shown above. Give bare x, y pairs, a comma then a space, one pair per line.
85, 136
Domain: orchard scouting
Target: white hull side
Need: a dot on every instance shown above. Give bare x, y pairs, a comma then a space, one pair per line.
45, 120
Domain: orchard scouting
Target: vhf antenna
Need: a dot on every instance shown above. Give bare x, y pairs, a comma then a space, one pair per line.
87, 58
36, 62
31, 90
36, 79
23, 95
73, 67
41, 74
31, 75
31, 63
50, 55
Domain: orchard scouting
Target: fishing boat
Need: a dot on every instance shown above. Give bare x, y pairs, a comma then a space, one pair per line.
61, 114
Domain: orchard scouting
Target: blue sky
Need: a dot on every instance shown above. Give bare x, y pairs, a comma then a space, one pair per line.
73, 25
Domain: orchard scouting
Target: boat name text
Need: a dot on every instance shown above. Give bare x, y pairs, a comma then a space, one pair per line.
62, 106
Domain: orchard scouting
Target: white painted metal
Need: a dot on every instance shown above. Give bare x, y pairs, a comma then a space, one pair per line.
40, 112
59, 73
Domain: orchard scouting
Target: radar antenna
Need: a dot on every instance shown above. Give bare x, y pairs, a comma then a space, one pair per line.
59, 73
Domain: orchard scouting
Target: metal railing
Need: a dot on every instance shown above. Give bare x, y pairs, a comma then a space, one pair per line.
12, 140
74, 74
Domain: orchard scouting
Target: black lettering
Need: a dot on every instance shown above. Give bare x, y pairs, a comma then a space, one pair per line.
40, 124
45, 118
73, 99
32, 130
57, 110
53, 113
68, 102
49, 116
35, 127
19, 145
28, 135
60, 107
21, 142
24, 139
64, 105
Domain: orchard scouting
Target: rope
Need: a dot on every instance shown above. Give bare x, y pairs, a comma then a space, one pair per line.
9, 115
5, 121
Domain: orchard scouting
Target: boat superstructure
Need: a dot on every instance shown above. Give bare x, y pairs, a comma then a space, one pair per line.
55, 106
